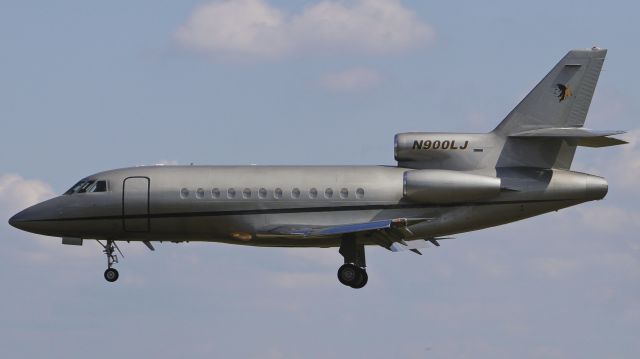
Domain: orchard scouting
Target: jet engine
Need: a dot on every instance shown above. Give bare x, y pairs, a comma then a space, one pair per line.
444, 186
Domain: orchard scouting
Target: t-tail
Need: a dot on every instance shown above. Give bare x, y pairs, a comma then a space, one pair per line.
542, 131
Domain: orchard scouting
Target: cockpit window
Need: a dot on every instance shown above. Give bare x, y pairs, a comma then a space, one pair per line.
85, 186
75, 187
88, 186
101, 186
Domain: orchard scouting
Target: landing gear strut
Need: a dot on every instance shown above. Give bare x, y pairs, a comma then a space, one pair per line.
352, 273
111, 274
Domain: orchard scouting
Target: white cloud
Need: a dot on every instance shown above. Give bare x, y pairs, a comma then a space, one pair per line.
246, 27
255, 28
351, 80
16, 192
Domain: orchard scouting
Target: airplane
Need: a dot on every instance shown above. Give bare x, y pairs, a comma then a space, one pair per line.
443, 184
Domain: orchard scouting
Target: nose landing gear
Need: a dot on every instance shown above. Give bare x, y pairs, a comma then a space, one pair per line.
111, 274
352, 273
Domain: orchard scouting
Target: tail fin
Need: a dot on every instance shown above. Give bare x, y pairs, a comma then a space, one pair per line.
562, 98
542, 130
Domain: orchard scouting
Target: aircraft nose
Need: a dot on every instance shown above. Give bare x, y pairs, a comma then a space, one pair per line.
35, 219
21, 219
14, 221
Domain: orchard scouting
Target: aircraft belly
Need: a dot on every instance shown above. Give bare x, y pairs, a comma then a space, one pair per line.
470, 218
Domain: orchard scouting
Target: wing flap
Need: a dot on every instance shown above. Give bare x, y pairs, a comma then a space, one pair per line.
388, 233
392, 227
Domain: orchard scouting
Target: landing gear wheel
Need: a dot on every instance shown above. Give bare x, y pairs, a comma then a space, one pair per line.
111, 275
352, 276
361, 279
110, 247
347, 274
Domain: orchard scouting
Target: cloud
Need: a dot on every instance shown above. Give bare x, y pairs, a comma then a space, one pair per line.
255, 28
351, 80
246, 27
16, 192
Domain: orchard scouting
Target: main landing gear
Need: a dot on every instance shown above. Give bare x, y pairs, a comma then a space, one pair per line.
352, 273
111, 274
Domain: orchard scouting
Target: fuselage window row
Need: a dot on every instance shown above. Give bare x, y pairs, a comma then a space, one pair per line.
263, 193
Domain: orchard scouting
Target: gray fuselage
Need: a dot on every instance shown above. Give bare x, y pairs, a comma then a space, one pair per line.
232, 204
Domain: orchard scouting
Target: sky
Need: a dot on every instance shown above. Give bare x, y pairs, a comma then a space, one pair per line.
90, 86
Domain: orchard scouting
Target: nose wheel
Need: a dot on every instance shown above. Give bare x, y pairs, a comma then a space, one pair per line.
109, 249
352, 273
111, 275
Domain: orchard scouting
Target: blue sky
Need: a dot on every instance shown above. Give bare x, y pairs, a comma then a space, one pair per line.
86, 87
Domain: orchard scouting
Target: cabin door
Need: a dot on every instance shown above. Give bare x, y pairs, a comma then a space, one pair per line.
135, 204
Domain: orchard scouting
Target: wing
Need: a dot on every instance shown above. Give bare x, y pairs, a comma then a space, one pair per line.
306, 231
385, 232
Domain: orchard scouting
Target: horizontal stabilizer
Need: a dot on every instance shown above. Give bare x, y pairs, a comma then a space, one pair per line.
583, 136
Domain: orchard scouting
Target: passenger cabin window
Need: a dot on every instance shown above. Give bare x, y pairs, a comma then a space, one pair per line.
295, 193
215, 193
184, 193
231, 193
200, 193
313, 193
262, 193
277, 193
328, 193
246, 193
344, 193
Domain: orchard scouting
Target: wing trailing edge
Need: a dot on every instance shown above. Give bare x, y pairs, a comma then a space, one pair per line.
390, 234
306, 231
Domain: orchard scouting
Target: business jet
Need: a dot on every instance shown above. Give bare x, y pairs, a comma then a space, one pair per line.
443, 184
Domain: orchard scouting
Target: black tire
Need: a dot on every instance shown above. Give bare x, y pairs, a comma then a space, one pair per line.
348, 274
111, 275
362, 279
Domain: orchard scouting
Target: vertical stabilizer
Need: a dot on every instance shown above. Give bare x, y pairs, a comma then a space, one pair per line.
562, 98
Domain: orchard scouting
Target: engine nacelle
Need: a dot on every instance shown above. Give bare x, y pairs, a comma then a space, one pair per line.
444, 186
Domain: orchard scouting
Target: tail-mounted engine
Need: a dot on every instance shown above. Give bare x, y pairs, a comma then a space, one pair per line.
443, 186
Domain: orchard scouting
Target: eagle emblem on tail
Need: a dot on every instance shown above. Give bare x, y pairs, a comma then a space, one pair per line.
563, 91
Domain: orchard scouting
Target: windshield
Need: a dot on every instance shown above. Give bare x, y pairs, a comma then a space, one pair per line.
88, 186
